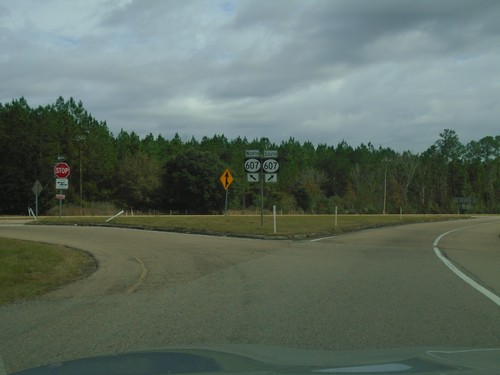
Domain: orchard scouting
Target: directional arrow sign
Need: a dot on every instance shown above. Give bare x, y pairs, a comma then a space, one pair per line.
271, 177
62, 183
226, 179
252, 177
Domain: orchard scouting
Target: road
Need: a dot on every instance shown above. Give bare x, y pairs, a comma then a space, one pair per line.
383, 288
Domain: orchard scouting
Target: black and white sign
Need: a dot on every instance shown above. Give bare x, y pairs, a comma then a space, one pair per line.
271, 177
270, 165
270, 153
252, 165
62, 183
252, 153
261, 166
253, 177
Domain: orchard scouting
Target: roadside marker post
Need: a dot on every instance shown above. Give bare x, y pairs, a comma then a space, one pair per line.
274, 218
114, 216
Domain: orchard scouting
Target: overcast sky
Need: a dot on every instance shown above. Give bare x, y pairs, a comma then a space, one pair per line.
395, 73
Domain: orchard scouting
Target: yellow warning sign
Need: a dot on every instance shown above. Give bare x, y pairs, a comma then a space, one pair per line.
226, 179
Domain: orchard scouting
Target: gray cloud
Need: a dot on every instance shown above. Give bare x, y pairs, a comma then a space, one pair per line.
391, 72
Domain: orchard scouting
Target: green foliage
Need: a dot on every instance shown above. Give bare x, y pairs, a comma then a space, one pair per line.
139, 181
164, 174
191, 182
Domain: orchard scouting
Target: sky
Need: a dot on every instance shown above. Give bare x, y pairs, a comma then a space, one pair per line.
395, 73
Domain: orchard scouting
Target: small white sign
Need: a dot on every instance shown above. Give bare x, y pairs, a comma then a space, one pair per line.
270, 153
62, 183
271, 177
252, 165
270, 165
252, 153
252, 177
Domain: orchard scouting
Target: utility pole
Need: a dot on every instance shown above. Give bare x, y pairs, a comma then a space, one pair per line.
79, 139
385, 184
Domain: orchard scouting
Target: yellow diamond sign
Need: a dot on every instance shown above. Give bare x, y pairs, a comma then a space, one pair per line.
226, 179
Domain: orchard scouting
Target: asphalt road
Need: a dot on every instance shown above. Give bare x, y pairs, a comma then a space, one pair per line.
375, 289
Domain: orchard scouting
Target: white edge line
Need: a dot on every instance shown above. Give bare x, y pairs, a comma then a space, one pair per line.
492, 296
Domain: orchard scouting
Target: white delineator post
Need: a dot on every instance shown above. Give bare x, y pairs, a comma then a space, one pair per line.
274, 218
118, 214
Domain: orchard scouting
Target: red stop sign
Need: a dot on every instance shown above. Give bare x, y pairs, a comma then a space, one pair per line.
61, 170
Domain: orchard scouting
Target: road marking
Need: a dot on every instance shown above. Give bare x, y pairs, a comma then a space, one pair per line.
143, 275
322, 238
492, 296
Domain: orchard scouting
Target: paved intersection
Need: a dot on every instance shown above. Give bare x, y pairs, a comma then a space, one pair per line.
374, 289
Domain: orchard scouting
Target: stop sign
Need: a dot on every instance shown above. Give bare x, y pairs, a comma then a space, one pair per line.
61, 170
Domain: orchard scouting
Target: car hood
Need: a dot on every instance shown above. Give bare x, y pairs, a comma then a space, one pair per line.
258, 359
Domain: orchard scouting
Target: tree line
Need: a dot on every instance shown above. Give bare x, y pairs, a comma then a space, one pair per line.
176, 175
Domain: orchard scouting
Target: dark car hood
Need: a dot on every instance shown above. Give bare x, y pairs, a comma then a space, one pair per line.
257, 359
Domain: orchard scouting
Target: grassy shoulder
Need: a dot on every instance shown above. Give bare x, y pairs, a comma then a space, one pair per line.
287, 226
28, 269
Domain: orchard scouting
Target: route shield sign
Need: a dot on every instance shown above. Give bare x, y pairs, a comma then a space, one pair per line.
270, 165
252, 165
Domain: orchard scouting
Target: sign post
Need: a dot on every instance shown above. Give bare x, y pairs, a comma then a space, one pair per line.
226, 180
263, 167
62, 172
37, 189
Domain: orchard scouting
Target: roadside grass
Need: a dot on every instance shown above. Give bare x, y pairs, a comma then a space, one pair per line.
28, 269
288, 226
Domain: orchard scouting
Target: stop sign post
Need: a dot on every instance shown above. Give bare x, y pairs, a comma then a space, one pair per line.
61, 170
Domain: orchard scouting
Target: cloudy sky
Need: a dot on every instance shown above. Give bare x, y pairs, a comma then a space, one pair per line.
395, 73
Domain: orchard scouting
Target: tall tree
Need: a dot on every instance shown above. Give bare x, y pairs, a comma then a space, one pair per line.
191, 182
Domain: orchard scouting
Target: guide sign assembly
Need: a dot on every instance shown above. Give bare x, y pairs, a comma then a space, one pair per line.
263, 167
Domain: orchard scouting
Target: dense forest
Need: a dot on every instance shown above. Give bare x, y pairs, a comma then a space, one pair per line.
182, 176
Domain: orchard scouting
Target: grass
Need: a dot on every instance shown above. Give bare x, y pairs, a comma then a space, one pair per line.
288, 226
28, 269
